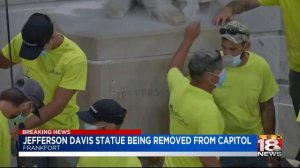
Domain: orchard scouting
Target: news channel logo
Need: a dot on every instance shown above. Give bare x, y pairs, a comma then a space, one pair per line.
269, 145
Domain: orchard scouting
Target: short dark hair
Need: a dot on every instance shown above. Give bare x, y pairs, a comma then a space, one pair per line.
14, 96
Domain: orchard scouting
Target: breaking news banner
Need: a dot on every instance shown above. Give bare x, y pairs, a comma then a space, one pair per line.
41, 143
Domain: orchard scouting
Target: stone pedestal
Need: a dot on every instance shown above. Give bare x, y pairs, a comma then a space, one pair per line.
128, 59
132, 70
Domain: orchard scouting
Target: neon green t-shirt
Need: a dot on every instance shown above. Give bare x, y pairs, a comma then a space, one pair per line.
244, 88
65, 67
291, 17
109, 162
192, 111
5, 152
298, 119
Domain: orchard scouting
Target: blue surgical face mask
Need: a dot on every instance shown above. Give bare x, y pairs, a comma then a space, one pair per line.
232, 61
46, 48
44, 52
18, 119
236, 61
222, 77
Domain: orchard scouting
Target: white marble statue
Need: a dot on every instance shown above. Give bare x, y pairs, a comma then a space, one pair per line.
173, 12
189, 8
117, 9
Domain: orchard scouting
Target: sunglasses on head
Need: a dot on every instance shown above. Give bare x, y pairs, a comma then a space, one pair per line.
231, 31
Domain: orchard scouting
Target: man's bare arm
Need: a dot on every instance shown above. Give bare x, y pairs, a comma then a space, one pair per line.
4, 63
191, 33
239, 6
267, 111
210, 162
60, 100
234, 7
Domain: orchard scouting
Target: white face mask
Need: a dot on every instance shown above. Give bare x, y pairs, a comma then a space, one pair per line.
232, 61
96, 126
89, 126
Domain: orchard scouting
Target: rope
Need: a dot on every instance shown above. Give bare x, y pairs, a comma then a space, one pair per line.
19, 161
9, 45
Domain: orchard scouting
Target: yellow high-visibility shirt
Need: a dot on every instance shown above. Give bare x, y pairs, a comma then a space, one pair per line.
109, 162
239, 97
4, 142
290, 12
192, 111
65, 67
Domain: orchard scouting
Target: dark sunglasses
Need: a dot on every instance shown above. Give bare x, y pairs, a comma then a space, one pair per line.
231, 31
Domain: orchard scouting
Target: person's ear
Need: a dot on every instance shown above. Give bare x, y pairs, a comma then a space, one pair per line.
27, 107
208, 76
49, 44
247, 46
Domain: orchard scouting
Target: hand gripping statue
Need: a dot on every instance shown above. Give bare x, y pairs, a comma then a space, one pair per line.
173, 12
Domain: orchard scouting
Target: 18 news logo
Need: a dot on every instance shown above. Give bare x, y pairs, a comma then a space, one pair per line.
269, 145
